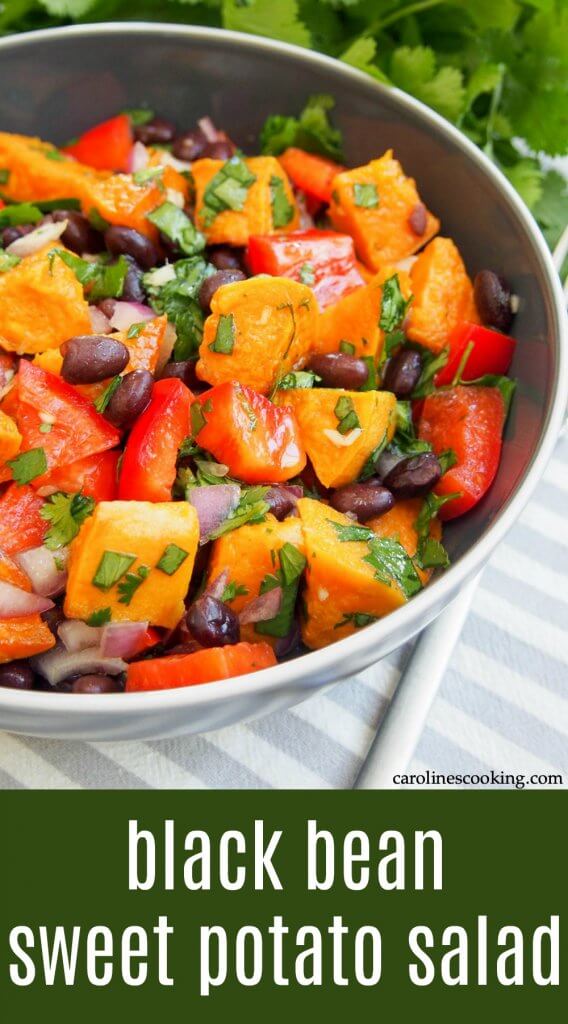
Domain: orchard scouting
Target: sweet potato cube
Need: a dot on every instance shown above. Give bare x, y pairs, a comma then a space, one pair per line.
342, 591
258, 330
41, 305
10, 438
135, 558
340, 429
378, 205
263, 203
398, 523
23, 637
443, 295
355, 319
249, 554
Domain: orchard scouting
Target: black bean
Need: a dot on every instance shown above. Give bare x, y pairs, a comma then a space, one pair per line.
107, 306
281, 501
364, 500
221, 150
133, 290
403, 373
418, 219
89, 358
493, 300
225, 258
130, 399
97, 684
53, 617
12, 234
217, 280
155, 131
79, 235
212, 623
190, 146
340, 371
185, 371
414, 475
121, 241
17, 675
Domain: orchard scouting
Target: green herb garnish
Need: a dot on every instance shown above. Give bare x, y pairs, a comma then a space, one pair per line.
111, 568
393, 305
227, 190
28, 465
171, 559
100, 617
307, 274
104, 398
100, 278
176, 225
298, 379
65, 514
346, 415
366, 196
282, 209
225, 335
129, 585
292, 564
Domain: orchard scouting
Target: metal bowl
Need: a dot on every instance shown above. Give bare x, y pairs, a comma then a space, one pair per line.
58, 82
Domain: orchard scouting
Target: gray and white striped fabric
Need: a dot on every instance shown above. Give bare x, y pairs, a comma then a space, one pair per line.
503, 704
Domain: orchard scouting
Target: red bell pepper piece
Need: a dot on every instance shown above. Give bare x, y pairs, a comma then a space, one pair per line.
491, 352
107, 146
148, 469
324, 260
469, 420
95, 476
258, 441
313, 174
205, 666
21, 526
52, 415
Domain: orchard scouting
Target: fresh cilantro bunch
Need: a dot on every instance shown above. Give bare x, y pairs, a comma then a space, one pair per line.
498, 69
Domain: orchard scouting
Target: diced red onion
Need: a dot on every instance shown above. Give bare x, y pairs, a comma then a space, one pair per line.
216, 587
78, 636
262, 608
307, 222
99, 322
208, 128
166, 347
127, 313
122, 639
213, 505
15, 603
139, 157
37, 239
58, 664
46, 578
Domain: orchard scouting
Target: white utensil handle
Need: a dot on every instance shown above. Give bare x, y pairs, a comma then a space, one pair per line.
398, 735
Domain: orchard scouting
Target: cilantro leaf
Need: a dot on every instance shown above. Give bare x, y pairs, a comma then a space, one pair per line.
252, 508
128, 586
19, 213
271, 18
100, 279
233, 590
176, 296
311, 131
292, 564
176, 225
227, 190
65, 513
28, 465
282, 209
393, 305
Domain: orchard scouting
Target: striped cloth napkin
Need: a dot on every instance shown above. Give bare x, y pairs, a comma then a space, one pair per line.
502, 706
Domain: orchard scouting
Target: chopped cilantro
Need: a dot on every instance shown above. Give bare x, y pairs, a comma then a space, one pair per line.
495, 380
227, 190
431, 364
197, 418
19, 213
391, 562
65, 203
97, 221
292, 564
135, 330
252, 508
347, 348
100, 617
225, 335
233, 590
366, 196
351, 532
139, 116
4, 175
100, 278
176, 225
282, 208
393, 305
447, 459
171, 559
150, 176
357, 619
28, 465
178, 299
298, 379
65, 513
132, 580
311, 131
346, 415
430, 553
104, 398
111, 568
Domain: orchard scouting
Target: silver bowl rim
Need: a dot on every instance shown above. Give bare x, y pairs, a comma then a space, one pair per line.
355, 651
